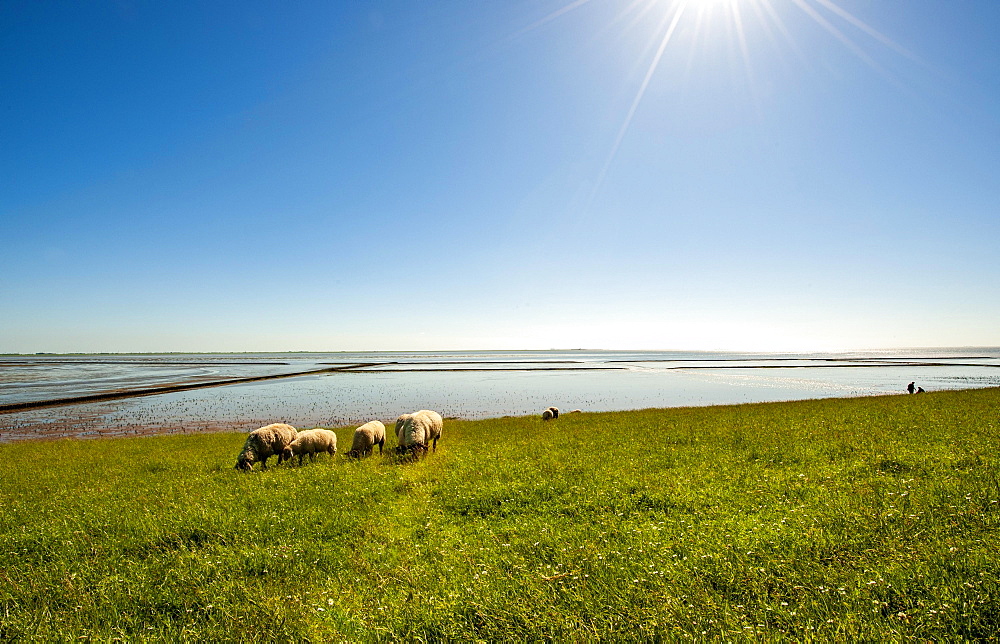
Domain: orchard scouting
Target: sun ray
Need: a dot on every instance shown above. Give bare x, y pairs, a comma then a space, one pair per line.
699, 24
839, 35
549, 18
779, 23
745, 53
741, 21
885, 40
678, 11
638, 14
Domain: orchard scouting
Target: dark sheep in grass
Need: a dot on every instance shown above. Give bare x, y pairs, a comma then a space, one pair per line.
264, 443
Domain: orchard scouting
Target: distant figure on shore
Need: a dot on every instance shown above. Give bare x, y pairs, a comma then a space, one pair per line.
909, 388
920, 390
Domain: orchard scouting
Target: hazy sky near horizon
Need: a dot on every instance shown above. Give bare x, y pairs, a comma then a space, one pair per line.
659, 174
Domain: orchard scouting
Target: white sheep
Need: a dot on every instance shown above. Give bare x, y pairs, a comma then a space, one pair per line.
399, 427
312, 442
263, 443
366, 437
555, 412
419, 430
436, 425
547, 414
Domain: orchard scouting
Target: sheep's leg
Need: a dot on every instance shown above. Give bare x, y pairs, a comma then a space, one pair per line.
380, 444
263, 463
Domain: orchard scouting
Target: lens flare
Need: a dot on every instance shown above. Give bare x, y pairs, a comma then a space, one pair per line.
704, 20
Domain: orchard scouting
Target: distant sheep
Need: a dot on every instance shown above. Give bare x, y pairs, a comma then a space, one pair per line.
576, 411
419, 430
555, 412
547, 415
311, 442
365, 439
263, 443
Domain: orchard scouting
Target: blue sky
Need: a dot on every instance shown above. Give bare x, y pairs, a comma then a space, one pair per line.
774, 175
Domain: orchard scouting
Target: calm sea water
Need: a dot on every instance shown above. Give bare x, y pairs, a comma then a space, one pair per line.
458, 384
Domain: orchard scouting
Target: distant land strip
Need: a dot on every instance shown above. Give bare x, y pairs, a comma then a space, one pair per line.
146, 363
835, 366
166, 389
878, 360
494, 370
489, 362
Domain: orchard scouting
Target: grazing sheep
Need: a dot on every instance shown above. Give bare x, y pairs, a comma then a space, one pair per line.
436, 425
365, 439
312, 442
399, 427
263, 443
547, 415
555, 412
412, 436
419, 430
576, 411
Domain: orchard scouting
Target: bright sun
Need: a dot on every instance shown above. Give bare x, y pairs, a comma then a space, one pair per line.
739, 16
707, 3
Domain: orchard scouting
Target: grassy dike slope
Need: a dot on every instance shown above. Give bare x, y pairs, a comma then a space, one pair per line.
872, 518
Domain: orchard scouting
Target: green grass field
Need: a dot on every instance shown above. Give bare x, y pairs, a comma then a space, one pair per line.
848, 519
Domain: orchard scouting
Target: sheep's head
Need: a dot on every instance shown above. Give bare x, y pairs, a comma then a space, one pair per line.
244, 462
286, 453
405, 449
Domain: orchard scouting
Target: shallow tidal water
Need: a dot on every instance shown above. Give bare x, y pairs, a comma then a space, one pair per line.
457, 384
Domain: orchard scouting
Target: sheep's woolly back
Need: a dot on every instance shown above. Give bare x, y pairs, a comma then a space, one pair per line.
414, 431
367, 436
436, 423
265, 442
312, 441
421, 428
